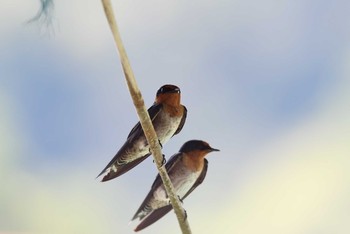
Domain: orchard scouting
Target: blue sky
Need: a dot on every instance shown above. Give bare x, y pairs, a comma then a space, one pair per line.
267, 83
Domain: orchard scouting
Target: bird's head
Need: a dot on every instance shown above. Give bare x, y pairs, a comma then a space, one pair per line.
198, 147
169, 94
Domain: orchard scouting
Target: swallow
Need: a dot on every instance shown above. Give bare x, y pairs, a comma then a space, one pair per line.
187, 169
168, 117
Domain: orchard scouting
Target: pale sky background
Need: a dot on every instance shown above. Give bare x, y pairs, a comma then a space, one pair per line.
266, 82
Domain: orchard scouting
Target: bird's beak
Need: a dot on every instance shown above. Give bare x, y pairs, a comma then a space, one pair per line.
212, 149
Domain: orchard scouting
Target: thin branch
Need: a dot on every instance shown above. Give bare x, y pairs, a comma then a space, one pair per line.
145, 120
44, 15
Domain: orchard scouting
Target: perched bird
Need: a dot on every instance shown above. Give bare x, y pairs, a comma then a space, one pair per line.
187, 170
168, 117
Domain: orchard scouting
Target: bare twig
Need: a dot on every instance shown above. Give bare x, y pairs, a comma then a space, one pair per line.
145, 120
44, 15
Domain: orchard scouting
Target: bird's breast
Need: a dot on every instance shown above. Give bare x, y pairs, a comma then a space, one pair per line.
166, 125
183, 184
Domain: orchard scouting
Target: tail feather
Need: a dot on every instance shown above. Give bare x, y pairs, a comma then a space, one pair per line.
154, 216
121, 169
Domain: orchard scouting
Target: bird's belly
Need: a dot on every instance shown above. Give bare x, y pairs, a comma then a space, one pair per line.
136, 150
184, 185
166, 127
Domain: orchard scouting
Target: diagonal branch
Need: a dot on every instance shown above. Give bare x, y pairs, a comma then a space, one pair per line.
145, 120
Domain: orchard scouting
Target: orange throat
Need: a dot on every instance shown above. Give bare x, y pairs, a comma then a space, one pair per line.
171, 99
194, 160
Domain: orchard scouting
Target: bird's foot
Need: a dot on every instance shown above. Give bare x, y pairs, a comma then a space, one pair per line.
180, 199
160, 143
163, 160
185, 215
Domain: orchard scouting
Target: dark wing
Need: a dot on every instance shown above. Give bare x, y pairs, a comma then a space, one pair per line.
134, 134
182, 123
153, 217
168, 167
153, 111
121, 168
199, 180
157, 182
157, 214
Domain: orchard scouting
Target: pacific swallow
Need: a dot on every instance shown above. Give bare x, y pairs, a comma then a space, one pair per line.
187, 169
168, 117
